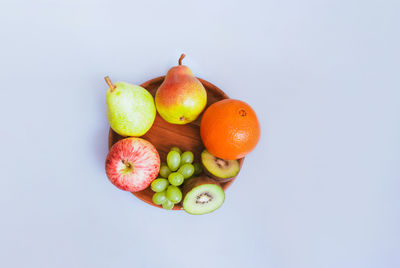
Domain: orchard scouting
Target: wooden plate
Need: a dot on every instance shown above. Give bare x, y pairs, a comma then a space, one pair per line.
164, 135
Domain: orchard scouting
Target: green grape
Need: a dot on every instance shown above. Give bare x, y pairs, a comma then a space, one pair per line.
176, 178
164, 171
174, 194
197, 169
186, 158
173, 160
159, 185
176, 149
159, 198
163, 164
168, 204
186, 170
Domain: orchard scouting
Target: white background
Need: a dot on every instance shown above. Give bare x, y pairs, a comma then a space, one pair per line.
320, 190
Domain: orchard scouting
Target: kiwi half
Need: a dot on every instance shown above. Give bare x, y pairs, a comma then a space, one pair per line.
202, 195
219, 169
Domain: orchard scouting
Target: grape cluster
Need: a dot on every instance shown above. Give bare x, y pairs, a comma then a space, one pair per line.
179, 167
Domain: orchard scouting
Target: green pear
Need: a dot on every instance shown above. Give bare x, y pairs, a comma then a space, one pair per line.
130, 108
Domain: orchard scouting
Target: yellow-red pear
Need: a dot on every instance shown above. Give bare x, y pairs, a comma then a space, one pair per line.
181, 97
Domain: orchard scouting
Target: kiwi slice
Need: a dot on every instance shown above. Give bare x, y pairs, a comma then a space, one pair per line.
202, 195
220, 169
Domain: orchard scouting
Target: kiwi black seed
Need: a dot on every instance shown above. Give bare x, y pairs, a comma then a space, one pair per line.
220, 169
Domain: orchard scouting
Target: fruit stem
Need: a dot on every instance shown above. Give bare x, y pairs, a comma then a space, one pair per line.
181, 58
110, 84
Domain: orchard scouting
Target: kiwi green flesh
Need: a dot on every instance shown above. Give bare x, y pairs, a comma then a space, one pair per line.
203, 199
218, 167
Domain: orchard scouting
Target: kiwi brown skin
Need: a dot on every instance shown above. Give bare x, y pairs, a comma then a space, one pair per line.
218, 179
215, 163
194, 182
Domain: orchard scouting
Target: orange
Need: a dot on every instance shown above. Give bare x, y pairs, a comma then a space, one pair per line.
229, 129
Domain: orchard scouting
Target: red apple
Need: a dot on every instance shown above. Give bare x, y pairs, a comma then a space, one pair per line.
132, 164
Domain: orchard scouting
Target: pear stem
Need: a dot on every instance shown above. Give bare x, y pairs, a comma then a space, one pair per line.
109, 83
181, 58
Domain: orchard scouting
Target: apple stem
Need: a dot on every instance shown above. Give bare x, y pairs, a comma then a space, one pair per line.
110, 84
181, 58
